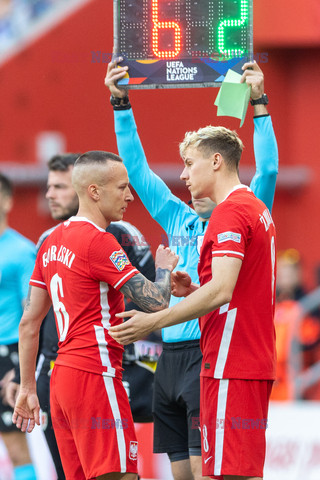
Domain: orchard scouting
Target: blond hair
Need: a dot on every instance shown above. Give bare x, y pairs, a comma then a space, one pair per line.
210, 140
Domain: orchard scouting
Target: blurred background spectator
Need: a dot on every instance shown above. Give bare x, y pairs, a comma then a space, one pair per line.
19, 17
298, 334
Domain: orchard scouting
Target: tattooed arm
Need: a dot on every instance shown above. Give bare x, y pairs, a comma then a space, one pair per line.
150, 296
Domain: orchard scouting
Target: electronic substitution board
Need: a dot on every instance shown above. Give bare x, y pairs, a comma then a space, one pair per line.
182, 43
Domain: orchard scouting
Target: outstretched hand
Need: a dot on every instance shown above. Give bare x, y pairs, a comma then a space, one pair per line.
26, 411
115, 73
166, 258
138, 327
253, 76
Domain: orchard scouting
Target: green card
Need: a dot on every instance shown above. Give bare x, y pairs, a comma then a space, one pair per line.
233, 97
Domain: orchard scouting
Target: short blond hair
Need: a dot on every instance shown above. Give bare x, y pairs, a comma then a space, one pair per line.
210, 140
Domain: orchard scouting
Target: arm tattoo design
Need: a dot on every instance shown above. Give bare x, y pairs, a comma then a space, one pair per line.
150, 296
27, 301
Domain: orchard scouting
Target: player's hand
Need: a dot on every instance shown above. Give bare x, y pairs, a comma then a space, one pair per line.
26, 411
139, 326
115, 73
180, 284
166, 258
253, 76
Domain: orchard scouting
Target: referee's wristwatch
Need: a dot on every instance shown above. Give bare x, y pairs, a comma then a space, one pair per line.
120, 103
264, 100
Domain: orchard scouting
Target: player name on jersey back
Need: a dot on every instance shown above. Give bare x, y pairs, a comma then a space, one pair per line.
58, 254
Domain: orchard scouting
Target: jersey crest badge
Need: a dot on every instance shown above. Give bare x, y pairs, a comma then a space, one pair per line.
133, 450
226, 236
119, 259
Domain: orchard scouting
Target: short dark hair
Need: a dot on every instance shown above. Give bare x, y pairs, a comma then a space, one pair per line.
6, 186
63, 162
97, 156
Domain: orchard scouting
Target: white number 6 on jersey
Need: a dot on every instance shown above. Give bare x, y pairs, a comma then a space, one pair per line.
61, 314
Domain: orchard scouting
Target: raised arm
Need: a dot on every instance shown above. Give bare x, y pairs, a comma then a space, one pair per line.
150, 296
263, 183
158, 199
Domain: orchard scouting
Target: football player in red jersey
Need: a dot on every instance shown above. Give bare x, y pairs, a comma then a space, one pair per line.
82, 270
235, 303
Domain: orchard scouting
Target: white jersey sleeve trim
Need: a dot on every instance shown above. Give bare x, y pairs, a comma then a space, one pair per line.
124, 277
37, 281
226, 252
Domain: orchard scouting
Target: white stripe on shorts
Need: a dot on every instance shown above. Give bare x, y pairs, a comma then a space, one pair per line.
108, 381
221, 415
225, 341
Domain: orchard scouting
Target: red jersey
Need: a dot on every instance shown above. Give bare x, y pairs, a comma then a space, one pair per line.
83, 267
238, 339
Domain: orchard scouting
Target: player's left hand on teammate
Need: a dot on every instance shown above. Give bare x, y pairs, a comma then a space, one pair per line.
26, 411
138, 326
180, 284
253, 76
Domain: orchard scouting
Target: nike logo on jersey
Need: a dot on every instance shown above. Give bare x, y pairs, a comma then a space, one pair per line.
207, 459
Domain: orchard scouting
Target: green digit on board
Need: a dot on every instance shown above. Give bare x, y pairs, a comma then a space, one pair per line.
233, 23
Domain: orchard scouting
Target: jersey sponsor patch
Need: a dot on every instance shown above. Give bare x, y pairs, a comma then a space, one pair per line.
119, 259
226, 236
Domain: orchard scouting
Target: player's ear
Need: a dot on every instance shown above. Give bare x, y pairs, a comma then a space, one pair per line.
216, 161
93, 191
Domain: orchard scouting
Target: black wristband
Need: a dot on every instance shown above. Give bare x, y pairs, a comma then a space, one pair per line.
264, 100
120, 103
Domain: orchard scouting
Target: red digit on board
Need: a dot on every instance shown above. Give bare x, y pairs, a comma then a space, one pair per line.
157, 26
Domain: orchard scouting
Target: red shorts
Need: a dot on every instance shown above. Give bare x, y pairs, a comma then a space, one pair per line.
93, 424
233, 425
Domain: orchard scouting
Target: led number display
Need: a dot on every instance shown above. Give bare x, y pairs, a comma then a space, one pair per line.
182, 43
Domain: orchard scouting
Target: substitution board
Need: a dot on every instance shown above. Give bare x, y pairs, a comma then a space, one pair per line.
182, 43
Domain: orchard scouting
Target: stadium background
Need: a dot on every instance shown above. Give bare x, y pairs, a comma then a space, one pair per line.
53, 96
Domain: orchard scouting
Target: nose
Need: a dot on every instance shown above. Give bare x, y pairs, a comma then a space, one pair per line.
49, 193
184, 174
129, 196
